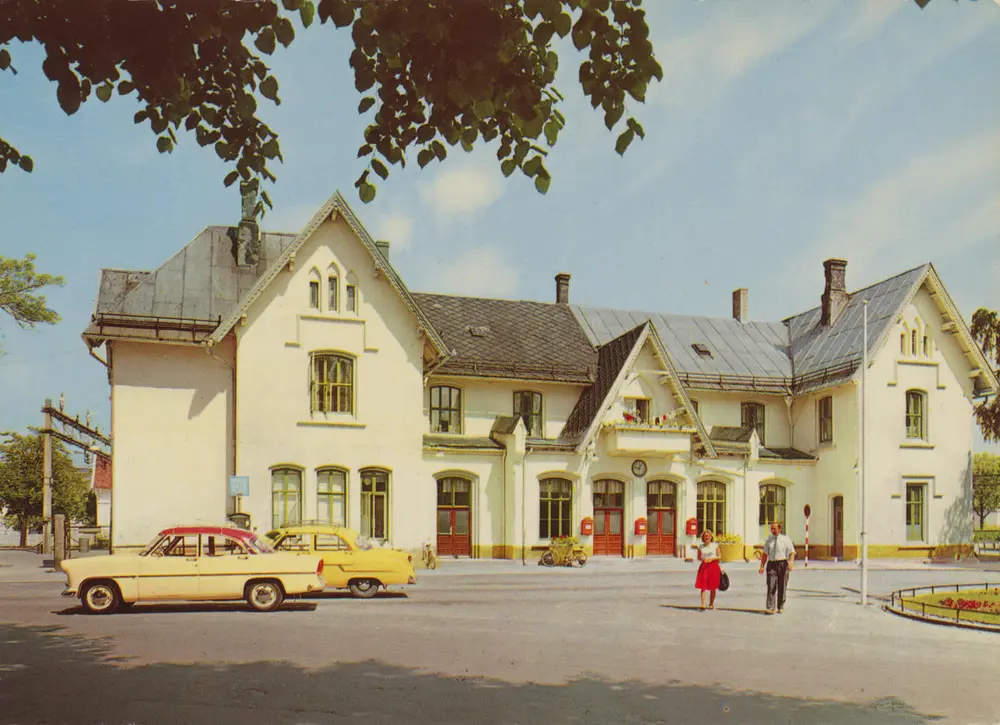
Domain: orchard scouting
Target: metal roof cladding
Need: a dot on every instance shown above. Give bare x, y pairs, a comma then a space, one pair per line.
791, 349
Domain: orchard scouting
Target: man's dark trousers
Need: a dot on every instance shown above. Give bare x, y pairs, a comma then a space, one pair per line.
777, 579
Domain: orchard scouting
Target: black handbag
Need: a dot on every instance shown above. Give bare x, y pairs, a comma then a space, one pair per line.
724, 582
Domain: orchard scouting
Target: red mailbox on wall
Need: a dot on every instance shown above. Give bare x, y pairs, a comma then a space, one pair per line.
691, 527
586, 526
640, 526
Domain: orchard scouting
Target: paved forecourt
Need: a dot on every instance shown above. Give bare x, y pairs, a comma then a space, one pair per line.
623, 640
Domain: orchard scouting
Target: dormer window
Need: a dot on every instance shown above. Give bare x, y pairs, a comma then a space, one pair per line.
701, 349
446, 409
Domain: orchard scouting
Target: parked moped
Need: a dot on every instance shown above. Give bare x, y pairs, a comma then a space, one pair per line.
564, 551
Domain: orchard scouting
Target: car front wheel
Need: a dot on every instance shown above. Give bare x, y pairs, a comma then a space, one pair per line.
264, 596
364, 588
101, 597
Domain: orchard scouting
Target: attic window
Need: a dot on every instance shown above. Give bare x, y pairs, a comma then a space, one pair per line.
480, 331
701, 349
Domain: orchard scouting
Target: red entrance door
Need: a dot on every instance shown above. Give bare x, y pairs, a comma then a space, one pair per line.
661, 517
609, 514
453, 532
661, 533
454, 513
608, 532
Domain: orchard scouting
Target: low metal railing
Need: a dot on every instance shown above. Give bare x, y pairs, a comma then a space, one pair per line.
899, 603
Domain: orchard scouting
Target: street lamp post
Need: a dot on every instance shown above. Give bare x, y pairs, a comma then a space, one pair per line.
864, 520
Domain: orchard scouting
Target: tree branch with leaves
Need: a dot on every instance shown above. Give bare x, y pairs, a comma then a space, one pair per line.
434, 73
986, 332
19, 284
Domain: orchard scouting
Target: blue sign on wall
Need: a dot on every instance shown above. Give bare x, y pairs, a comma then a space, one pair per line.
239, 485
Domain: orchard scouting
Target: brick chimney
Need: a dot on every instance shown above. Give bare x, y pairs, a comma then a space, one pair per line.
383, 246
835, 295
741, 304
246, 235
562, 288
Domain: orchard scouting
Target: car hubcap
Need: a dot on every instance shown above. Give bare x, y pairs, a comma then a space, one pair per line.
99, 597
264, 595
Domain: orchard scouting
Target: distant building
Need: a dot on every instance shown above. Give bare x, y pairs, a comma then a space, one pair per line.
490, 426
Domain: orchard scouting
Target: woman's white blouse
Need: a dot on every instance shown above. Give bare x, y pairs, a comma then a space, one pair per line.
709, 550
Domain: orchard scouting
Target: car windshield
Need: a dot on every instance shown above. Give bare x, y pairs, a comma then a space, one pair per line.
363, 542
152, 545
260, 545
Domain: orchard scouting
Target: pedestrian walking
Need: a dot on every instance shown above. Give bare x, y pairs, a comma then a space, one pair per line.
709, 571
777, 558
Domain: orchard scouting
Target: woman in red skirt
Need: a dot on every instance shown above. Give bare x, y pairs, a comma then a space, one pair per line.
709, 571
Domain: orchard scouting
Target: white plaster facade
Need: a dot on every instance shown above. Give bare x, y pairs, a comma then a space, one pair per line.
188, 415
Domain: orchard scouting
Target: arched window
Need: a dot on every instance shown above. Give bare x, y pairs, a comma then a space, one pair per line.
375, 503
528, 407
913, 343
824, 410
446, 409
916, 414
331, 496
555, 507
902, 343
772, 505
711, 507
332, 384
333, 291
286, 497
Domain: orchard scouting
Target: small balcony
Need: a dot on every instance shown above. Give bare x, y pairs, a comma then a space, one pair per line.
643, 439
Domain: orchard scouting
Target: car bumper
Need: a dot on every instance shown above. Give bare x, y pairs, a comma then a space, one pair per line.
69, 592
412, 579
316, 587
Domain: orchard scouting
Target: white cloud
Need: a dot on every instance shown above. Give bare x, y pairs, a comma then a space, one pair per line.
397, 229
699, 66
461, 190
479, 272
937, 205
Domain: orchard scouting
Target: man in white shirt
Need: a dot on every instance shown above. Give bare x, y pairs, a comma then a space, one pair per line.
779, 553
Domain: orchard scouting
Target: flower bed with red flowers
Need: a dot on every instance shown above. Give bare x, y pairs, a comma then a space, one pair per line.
971, 605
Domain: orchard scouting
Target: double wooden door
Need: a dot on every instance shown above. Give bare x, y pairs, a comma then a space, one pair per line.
609, 517
454, 517
837, 548
661, 532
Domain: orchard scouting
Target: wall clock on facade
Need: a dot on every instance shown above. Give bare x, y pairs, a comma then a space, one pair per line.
638, 468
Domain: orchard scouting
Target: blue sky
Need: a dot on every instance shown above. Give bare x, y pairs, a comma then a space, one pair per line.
783, 133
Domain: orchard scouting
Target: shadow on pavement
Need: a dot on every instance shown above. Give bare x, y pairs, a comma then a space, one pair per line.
191, 607
697, 608
50, 677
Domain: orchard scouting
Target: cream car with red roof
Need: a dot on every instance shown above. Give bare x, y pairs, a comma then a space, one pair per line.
194, 563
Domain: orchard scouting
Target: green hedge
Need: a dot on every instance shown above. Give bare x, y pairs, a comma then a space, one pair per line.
989, 534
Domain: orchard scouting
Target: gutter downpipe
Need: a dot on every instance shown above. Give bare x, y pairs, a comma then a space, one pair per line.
232, 366
524, 484
97, 357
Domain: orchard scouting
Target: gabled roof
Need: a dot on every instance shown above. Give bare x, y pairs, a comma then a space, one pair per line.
336, 204
520, 340
184, 299
615, 359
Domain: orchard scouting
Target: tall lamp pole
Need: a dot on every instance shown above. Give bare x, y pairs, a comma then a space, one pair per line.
864, 519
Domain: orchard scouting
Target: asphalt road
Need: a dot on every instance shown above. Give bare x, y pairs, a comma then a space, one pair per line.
525, 646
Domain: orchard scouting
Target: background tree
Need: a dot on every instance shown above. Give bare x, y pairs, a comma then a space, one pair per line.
986, 331
434, 74
18, 286
21, 472
985, 485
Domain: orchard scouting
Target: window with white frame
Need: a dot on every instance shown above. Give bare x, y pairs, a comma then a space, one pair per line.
446, 409
528, 407
331, 496
916, 414
286, 497
772, 505
824, 409
638, 409
332, 383
555, 507
711, 507
375, 503
915, 499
